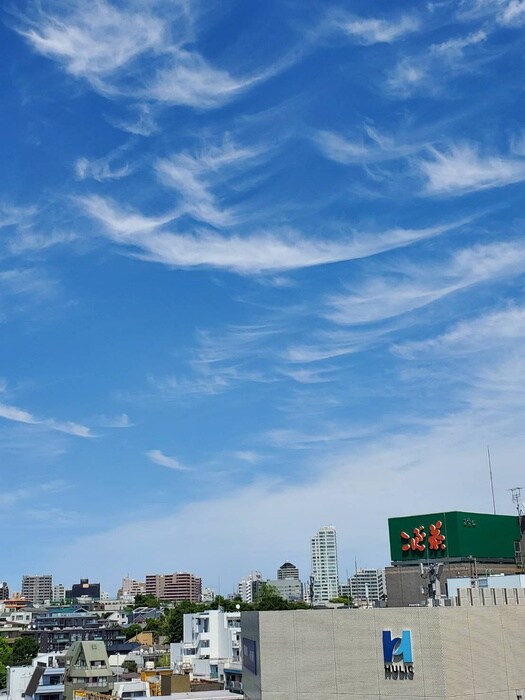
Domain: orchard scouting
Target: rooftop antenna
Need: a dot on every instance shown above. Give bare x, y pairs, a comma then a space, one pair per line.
491, 482
516, 499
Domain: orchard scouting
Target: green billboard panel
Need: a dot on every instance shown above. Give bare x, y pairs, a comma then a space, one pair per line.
456, 535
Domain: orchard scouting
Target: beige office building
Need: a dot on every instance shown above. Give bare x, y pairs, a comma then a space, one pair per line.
432, 653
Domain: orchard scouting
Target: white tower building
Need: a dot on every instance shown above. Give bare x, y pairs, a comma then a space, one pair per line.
325, 570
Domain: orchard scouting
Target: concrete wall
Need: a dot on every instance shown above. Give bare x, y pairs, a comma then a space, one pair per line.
459, 653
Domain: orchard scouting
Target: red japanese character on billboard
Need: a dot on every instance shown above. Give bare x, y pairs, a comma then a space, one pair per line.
436, 540
415, 543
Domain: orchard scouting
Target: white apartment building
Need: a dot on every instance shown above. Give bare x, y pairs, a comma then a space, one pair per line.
211, 644
42, 680
37, 589
59, 593
367, 586
325, 569
248, 588
208, 595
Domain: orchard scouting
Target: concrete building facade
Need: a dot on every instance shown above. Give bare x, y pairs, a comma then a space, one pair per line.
287, 570
176, 587
325, 568
37, 589
249, 587
84, 589
444, 653
42, 680
288, 588
368, 586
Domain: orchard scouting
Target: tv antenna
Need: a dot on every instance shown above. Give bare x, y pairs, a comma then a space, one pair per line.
516, 499
491, 482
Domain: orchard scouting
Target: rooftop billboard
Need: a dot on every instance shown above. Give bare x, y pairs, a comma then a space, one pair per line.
453, 535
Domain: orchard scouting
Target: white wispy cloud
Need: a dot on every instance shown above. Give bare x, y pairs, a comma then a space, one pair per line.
329, 345
93, 41
29, 241
513, 14
158, 457
13, 497
23, 234
388, 296
306, 375
509, 13
373, 31
140, 52
120, 222
121, 421
462, 168
190, 80
141, 121
193, 177
248, 254
454, 48
247, 456
478, 335
22, 290
101, 169
428, 72
376, 148
11, 215
19, 415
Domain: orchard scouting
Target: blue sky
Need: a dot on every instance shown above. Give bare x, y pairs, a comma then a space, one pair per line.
261, 270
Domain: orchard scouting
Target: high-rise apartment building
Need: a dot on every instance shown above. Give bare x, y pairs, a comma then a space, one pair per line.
37, 589
325, 570
287, 570
250, 586
155, 585
367, 586
4, 591
182, 586
130, 587
177, 587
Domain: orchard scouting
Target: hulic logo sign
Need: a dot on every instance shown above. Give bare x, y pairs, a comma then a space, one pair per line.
397, 655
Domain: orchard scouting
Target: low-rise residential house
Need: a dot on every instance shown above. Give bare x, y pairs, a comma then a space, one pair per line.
140, 615
20, 618
87, 668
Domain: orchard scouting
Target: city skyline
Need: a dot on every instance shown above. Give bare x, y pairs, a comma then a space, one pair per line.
261, 268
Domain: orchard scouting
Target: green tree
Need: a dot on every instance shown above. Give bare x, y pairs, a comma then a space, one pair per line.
5, 656
24, 651
146, 600
342, 599
130, 666
5, 651
174, 619
131, 630
269, 598
229, 604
